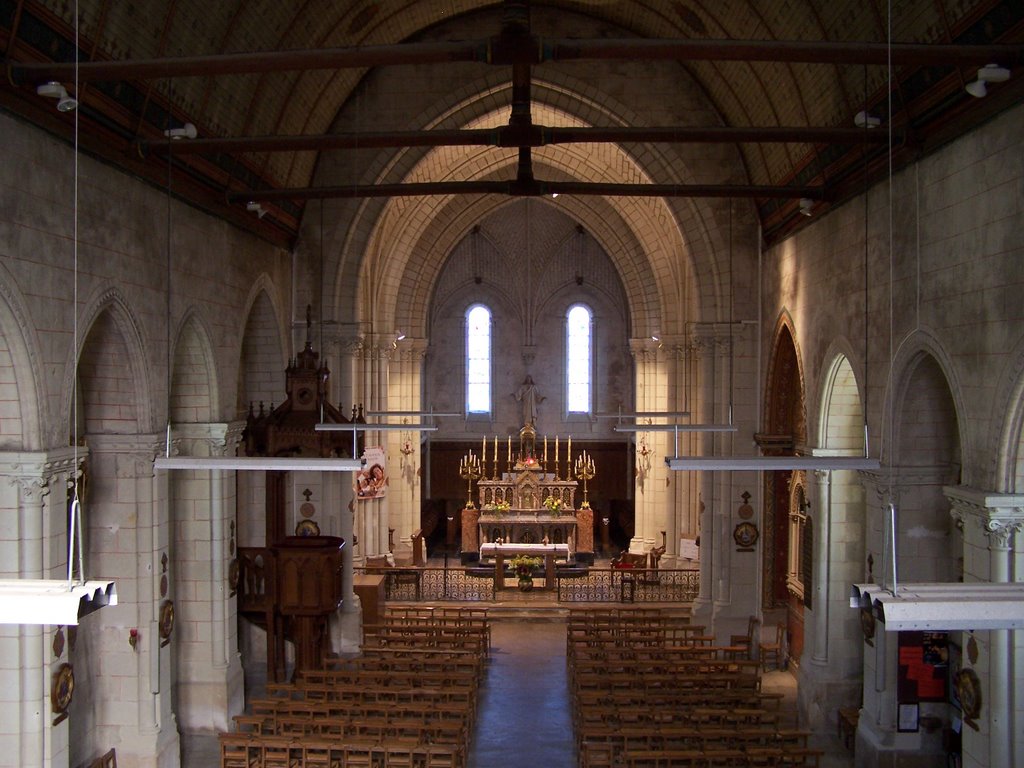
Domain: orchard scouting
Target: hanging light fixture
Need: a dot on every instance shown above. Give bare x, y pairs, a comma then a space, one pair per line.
55, 90
990, 73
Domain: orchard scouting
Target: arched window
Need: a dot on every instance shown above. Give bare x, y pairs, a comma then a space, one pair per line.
578, 359
478, 359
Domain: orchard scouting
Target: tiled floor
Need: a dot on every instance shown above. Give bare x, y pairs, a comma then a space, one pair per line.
524, 719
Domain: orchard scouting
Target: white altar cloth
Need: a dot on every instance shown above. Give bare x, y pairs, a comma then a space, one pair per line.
491, 549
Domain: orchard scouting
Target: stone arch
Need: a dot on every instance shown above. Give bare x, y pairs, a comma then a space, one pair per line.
924, 453
24, 415
841, 414
785, 422
194, 393
263, 349
111, 331
913, 351
1009, 452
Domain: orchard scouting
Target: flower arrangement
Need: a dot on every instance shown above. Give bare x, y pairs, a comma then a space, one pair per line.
502, 507
553, 504
524, 566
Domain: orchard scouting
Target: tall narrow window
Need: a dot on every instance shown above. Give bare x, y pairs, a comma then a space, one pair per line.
478, 359
578, 354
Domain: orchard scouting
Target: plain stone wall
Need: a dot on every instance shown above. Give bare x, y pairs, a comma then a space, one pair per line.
217, 273
944, 318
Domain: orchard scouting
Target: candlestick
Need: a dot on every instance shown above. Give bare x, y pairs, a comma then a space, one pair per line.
510, 453
568, 458
556, 455
483, 451
495, 457
545, 453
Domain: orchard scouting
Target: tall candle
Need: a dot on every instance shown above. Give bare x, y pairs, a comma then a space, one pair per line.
510, 452
545, 449
556, 453
568, 453
483, 450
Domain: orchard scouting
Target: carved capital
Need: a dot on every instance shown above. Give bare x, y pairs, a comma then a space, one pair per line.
1000, 531
31, 490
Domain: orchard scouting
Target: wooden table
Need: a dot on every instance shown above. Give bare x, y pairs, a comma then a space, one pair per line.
548, 551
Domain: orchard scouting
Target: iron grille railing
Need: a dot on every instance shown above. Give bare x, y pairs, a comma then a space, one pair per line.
630, 585
593, 585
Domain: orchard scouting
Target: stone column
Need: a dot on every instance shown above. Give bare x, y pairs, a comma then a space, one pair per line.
650, 494
405, 385
31, 492
990, 522
822, 559
202, 516
129, 536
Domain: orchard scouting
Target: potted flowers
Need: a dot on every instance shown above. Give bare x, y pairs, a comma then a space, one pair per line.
524, 566
502, 507
553, 505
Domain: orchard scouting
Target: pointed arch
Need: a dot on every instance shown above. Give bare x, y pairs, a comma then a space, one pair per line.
109, 327
194, 391
19, 363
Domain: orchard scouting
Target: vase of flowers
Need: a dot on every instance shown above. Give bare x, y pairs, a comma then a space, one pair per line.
502, 507
524, 566
553, 505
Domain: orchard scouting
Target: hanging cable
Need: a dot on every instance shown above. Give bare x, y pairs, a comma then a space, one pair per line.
75, 524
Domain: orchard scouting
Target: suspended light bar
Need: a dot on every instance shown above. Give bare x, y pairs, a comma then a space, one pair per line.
258, 463
433, 414
675, 428
375, 427
768, 463
944, 606
642, 415
51, 601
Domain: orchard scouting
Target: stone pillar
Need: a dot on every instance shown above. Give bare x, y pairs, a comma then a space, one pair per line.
650, 495
822, 559
33, 545
405, 385
209, 680
129, 537
990, 522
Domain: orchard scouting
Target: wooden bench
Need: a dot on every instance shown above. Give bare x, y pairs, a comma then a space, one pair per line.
846, 724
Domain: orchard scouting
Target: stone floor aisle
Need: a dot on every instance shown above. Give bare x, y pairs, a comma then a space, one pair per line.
524, 718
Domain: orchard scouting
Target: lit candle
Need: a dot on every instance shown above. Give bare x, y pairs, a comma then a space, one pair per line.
495, 453
510, 452
568, 453
545, 449
556, 453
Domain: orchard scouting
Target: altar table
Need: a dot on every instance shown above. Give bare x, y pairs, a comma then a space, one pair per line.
548, 551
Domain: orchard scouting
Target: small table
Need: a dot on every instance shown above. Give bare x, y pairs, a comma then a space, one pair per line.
548, 551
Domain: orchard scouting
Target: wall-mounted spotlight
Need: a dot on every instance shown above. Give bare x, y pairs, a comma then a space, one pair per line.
806, 204
187, 131
253, 207
55, 90
990, 73
866, 120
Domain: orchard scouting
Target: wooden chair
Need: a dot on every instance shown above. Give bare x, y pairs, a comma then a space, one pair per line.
744, 644
773, 650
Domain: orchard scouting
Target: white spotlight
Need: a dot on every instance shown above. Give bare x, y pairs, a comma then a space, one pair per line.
253, 207
187, 131
866, 120
806, 204
990, 73
55, 90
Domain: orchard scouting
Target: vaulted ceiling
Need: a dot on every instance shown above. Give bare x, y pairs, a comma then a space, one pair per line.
264, 82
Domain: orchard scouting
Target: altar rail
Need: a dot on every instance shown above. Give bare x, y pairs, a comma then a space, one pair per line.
593, 585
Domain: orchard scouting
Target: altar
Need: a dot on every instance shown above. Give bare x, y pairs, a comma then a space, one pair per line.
525, 502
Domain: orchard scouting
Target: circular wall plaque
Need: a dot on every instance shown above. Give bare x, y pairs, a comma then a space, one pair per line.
307, 509
968, 688
745, 535
62, 689
166, 619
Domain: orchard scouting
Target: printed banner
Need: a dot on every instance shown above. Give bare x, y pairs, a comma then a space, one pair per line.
372, 479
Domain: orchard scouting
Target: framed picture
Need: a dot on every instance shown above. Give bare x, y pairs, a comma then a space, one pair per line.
908, 716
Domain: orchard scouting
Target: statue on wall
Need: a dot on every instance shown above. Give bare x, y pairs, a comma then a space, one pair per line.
530, 397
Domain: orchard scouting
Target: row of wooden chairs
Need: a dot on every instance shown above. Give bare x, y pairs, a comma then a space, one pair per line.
409, 701
244, 751
644, 702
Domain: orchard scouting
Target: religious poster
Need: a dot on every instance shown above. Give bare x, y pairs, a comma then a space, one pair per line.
923, 667
372, 479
